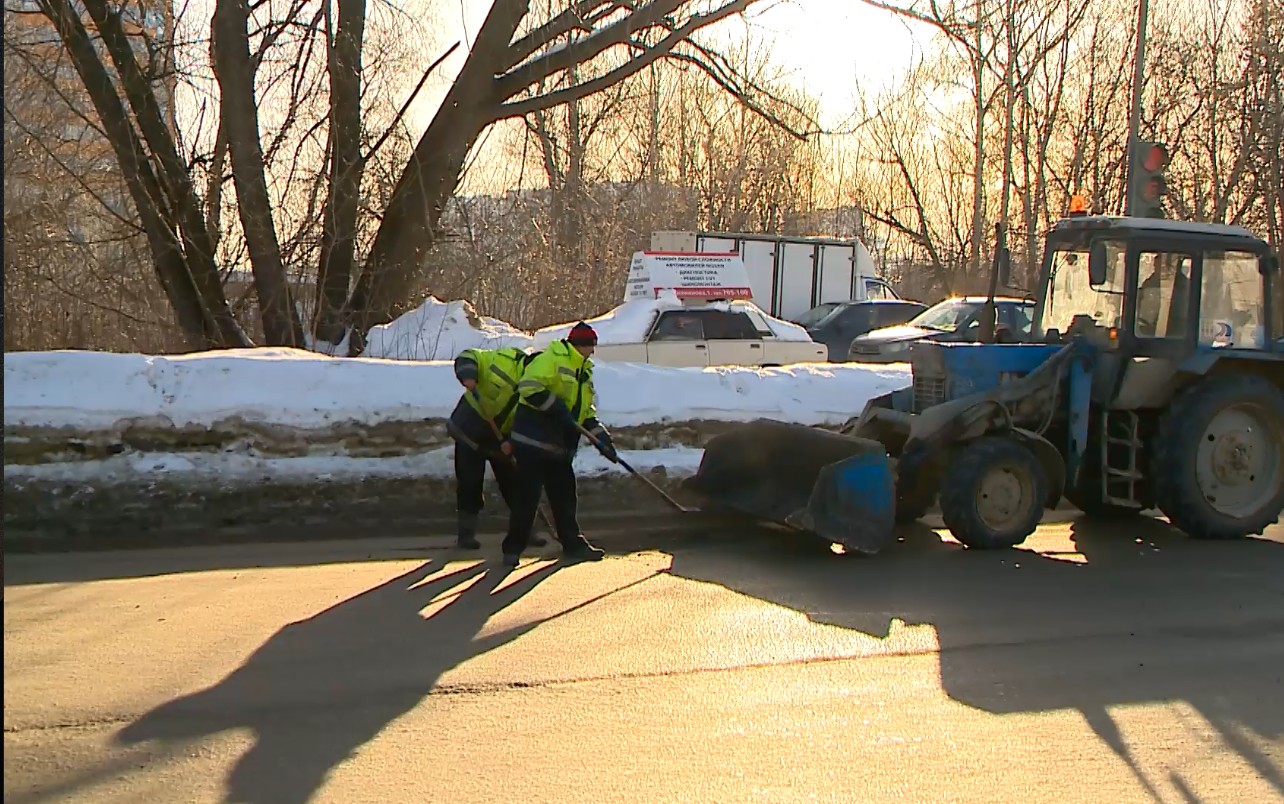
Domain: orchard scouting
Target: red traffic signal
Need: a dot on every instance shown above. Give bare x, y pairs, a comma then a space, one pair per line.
1156, 157
1146, 183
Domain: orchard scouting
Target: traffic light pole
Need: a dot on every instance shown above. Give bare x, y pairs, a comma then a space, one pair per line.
1134, 122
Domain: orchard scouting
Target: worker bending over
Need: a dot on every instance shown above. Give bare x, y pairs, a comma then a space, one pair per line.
480, 425
556, 400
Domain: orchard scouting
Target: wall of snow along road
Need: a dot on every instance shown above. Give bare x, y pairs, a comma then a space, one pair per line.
260, 414
88, 391
125, 443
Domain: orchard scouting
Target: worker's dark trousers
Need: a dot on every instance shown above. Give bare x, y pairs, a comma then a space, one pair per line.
537, 472
470, 475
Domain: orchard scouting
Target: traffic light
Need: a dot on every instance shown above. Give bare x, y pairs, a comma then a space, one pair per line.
1146, 183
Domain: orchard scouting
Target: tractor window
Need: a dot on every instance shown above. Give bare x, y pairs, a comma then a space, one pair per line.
1163, 295
1230, 302
1071, 292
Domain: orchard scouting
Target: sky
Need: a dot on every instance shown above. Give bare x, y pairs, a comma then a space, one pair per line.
832, 48
828, 46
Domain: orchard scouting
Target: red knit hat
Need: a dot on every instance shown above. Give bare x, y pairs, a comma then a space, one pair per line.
582, 335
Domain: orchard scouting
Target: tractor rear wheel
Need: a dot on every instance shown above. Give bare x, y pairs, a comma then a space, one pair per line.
993, 493
1218, 469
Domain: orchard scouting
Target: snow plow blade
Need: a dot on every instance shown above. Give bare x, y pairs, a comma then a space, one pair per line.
836, 486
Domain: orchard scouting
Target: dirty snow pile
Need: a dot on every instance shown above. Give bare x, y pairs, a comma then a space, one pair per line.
437, 330
94, 392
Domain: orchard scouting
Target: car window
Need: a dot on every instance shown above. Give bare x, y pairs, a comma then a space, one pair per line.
857, 316
678, 325
815, 315
893, 314
1017, 317
947, 316
874, 290
728, 326
761, 327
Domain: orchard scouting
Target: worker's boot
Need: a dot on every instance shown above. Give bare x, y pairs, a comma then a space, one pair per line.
467, 539
577, 548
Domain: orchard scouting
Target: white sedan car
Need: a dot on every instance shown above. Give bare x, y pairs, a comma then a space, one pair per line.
716, 334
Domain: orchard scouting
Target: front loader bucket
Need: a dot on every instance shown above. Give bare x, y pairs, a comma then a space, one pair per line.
838, 487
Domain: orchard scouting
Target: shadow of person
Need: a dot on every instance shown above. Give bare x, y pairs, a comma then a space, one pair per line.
1137, 614
322, 687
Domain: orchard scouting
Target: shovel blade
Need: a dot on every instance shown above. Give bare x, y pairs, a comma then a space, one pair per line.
838, 487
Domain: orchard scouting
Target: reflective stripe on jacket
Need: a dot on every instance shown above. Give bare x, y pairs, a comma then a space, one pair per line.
558, 380
497, 373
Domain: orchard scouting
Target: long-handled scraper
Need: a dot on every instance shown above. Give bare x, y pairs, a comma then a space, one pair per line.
672, 502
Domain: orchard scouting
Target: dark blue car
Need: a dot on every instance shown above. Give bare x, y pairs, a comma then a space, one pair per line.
835, 324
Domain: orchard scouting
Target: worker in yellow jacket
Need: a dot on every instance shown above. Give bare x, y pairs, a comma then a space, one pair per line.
555, 398
480, 425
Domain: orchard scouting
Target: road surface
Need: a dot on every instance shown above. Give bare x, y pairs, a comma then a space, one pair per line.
1097, 664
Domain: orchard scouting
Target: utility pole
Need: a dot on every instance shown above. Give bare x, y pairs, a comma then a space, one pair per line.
1134, 122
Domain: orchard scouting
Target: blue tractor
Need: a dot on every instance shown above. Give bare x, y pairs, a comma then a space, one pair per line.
1154, 378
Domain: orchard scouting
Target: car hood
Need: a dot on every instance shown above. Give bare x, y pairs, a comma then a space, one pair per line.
904, 332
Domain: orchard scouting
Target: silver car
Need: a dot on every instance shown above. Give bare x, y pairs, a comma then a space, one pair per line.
957, 319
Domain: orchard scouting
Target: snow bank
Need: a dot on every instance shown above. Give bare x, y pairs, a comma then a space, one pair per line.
233, 468
94, 390
438, 330
630, 322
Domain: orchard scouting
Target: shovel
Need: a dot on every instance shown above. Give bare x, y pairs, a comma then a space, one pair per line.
494, 429
672, 502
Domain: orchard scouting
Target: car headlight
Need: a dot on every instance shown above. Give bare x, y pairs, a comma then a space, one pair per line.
896, 348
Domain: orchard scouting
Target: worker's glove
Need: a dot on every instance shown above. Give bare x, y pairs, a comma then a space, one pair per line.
606, 447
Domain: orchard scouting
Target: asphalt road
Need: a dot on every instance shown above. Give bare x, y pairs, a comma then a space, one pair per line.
1097, 664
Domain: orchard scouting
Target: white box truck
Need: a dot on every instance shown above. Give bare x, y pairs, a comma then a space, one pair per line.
791, 275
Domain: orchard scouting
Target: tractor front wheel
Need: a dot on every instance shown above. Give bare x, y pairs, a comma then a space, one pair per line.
1218, 469
993, 493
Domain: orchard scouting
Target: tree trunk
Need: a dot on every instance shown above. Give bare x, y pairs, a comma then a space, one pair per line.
338, 236
978, 161
232, 68
409, 225
175, 183
199, 328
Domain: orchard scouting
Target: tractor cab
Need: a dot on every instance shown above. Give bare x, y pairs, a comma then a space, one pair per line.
1154, 287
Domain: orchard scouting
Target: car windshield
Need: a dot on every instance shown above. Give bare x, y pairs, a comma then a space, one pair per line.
815, 315
944, 317
1071, 292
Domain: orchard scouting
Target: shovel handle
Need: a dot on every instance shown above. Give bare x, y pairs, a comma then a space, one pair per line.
494, 428
593, 440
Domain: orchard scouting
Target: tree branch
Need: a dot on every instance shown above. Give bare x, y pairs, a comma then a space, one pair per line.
648, 55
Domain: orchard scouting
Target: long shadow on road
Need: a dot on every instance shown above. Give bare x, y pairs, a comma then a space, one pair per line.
1140, 614
321, 688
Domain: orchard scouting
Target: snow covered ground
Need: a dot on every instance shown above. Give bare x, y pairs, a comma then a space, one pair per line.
88, 392
237, 468
94, 390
